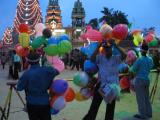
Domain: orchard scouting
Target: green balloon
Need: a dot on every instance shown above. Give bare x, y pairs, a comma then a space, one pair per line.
77, 79
153, 43
37, 42
64, 47
51, 50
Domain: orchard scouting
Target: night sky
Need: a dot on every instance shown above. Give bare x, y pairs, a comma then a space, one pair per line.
142, 13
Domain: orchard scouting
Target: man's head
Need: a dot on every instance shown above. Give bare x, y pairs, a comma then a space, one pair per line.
144, 49
33, 58
108, 49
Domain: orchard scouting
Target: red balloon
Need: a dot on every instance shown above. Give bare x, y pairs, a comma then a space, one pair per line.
124, 82
21, 51
70, 95
149, 38
120, 31
23, 28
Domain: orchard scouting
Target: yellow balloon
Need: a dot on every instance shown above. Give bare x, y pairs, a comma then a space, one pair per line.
79, 97
24, 39
136, 43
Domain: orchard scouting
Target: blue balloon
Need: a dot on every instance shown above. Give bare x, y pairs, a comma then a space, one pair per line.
123, 67
53, 111
64, 37
91, 48
90, 67
59, 87
53, 40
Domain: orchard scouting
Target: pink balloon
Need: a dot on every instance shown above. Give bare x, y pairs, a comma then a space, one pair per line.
131, 57
120, 31
39, 28
56, 62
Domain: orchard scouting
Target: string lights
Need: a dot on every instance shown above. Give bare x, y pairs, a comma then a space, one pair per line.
28, 11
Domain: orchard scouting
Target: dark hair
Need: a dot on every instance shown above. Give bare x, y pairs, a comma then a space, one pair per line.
33, 58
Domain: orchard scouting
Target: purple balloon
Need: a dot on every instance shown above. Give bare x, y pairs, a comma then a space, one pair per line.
59, 87
54, 112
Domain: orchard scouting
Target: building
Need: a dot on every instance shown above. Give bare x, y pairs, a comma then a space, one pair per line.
78, 15
53, 17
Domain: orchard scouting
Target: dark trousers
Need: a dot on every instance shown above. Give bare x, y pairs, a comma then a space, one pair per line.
39, 112
97, 99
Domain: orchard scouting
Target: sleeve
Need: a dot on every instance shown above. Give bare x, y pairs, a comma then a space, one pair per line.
134, 67
22, 83
151, 63
52, 72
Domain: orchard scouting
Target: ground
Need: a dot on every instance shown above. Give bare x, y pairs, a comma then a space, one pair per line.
125, 108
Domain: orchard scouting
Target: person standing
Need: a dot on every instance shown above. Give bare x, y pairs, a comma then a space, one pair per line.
3, 61
107, 74
16, 62
141, 69
36, 81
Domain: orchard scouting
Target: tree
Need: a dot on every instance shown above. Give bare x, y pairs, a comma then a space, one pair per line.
94, 23
7, 37
113, 17
29, 12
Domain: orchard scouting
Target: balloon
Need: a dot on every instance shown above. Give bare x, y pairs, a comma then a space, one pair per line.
86, 93
120, 31
90, 67
21, 51
131, 57
59, 87
59, 103
106, 31
135, 32
70, 95
101, 50
54, 111
124, 82
64, 37
79, 97
149, 38
89, 50
47, 33
39, 28
64, 47
56, 62
23, 28
24, 39
153, 43
37, 42
53, 40
138, 39
51, 50
123, 68
81, 79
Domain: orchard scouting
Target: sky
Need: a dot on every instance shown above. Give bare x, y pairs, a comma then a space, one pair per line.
141, 13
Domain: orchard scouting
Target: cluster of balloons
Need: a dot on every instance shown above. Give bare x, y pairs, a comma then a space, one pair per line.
58, 46
60, 94
22, 49
81, 79
119, 32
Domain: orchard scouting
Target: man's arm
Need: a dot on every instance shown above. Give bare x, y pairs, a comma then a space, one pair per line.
22, 83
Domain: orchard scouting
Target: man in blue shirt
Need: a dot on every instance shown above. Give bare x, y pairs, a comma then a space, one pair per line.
141, 68
107, 74
36, 81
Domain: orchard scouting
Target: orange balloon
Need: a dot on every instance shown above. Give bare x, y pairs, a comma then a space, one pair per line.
70, 95
101, 50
